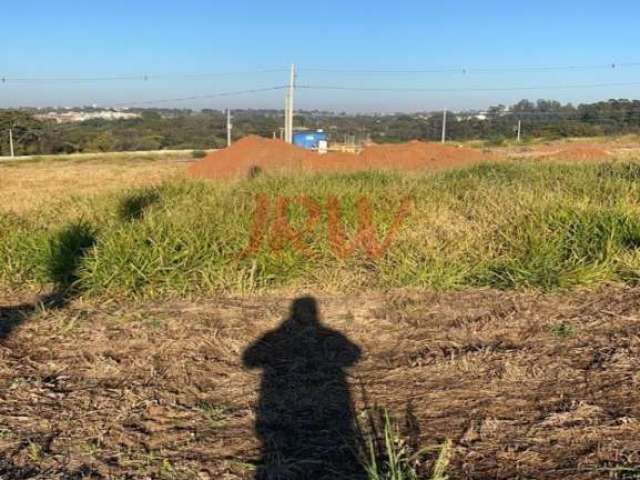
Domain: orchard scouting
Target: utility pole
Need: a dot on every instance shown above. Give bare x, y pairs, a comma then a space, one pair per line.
11, 141
284, 136
289, 106
229, 127
519, 129
444, 126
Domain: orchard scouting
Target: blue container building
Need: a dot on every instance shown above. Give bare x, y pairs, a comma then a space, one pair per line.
309, 139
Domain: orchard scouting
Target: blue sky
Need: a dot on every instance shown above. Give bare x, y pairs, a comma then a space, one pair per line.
78, 39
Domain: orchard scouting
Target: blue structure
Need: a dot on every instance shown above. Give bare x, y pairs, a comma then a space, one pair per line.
309, 139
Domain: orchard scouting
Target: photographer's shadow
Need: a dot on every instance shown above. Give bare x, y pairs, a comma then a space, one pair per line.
305, 417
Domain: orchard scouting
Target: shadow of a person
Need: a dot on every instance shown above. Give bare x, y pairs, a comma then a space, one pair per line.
305, 417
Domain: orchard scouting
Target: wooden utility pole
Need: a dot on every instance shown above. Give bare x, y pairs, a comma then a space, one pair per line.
229, 127
444, 126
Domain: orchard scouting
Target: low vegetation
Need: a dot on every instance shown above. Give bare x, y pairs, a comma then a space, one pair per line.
507, 225
395, 454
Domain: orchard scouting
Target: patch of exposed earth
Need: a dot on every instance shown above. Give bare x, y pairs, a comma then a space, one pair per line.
524, 385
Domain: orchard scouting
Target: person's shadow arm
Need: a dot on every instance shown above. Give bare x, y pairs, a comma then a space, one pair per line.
257, 354
347, 353
352, 353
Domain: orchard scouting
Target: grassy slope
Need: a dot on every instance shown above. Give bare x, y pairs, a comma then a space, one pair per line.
508, 225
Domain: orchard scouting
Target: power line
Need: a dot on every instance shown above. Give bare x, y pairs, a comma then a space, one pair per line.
465, 89
469, 70
201, 97
137, 77
434, 70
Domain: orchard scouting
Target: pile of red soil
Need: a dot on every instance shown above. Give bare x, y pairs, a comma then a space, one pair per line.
254, 152
579, 153
418, 155
247, 154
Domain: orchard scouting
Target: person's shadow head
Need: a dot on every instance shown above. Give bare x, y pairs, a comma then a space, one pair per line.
304, 313
304, 416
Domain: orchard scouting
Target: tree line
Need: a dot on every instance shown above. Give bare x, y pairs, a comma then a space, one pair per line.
157, 129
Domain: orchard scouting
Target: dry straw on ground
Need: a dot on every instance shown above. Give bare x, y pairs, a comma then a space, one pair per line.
524, 386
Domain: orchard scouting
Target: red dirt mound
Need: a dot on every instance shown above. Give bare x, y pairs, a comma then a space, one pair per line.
250, 152
278, 156
579, 153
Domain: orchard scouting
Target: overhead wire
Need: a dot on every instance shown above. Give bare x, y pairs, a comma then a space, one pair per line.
277, 69
348, 88
463, 89
136, 77
201, 97
474, 70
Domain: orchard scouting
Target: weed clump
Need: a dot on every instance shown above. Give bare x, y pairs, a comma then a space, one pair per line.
394, 453
134, 206
66, 250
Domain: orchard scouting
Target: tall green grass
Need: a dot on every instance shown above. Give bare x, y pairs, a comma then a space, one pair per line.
392, 455
507, 225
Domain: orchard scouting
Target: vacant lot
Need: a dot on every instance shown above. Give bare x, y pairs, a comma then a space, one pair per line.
141, 335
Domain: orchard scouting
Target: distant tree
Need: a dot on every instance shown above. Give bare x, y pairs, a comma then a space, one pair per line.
103, 142
27, 132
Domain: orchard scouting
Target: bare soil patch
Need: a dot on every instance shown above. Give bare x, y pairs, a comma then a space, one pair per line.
524, 385
579, 153
277, 156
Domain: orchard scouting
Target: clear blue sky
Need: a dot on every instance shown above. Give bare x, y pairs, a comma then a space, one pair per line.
73, 38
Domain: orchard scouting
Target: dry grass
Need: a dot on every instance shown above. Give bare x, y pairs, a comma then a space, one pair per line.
27, 186
524, 386
623, 147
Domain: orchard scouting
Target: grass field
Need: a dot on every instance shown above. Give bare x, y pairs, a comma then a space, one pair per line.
499, 331
28, 185
506, 225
